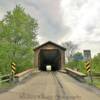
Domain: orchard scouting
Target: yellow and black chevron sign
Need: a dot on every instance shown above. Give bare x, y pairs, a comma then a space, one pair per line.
13, 67
88, 66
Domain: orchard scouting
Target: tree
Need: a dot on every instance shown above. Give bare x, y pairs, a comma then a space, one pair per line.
18, 31
70, 49
78, 56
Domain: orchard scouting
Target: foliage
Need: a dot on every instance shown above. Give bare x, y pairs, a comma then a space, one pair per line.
17, 39
96, 63
77, 65
80, 64
78, 56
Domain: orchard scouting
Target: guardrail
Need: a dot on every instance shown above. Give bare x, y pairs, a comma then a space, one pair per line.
5, 78
17, 78
20, 76
77, 75
96, 74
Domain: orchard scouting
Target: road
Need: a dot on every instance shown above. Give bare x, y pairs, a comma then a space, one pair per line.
50, 86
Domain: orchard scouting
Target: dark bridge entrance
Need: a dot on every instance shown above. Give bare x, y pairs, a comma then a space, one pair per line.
49, 53
50, 57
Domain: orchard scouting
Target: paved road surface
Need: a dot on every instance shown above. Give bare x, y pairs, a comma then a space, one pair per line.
50, 86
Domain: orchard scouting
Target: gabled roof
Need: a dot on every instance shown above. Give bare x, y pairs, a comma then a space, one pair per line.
49, 42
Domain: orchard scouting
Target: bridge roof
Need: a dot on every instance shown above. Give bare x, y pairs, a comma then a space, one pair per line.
49, 42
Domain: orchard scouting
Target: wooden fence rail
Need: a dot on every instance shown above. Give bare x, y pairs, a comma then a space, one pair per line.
5, 78
78, 75
17, 77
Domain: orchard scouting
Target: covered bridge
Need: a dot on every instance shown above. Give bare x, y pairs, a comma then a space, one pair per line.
49, 53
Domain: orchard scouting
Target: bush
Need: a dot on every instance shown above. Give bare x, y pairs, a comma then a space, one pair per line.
77, 65
96, 64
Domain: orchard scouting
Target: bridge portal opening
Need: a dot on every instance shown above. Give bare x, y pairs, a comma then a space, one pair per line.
49, 57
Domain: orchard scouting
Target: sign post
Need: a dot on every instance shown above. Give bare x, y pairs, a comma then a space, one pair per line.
13, 69
88, 66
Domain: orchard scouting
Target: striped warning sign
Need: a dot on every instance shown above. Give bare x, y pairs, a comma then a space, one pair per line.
88, 66
13, 67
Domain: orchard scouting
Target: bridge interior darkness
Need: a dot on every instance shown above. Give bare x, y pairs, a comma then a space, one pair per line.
49, 57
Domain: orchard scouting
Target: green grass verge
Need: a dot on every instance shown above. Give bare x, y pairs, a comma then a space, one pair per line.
96, 81
6, 85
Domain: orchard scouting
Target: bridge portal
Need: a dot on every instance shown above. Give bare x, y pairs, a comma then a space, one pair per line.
51, 54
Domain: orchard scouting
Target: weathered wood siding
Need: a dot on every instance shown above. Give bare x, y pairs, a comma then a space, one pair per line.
48, 47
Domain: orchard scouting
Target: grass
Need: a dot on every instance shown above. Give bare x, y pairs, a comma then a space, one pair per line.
96, 81
6, 86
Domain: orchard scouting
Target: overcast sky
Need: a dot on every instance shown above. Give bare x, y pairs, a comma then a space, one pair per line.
63, 20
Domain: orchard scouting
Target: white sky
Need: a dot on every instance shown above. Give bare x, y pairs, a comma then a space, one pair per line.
83, 18
63, 20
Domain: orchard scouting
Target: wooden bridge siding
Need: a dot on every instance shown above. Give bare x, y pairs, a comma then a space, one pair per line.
48, 47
